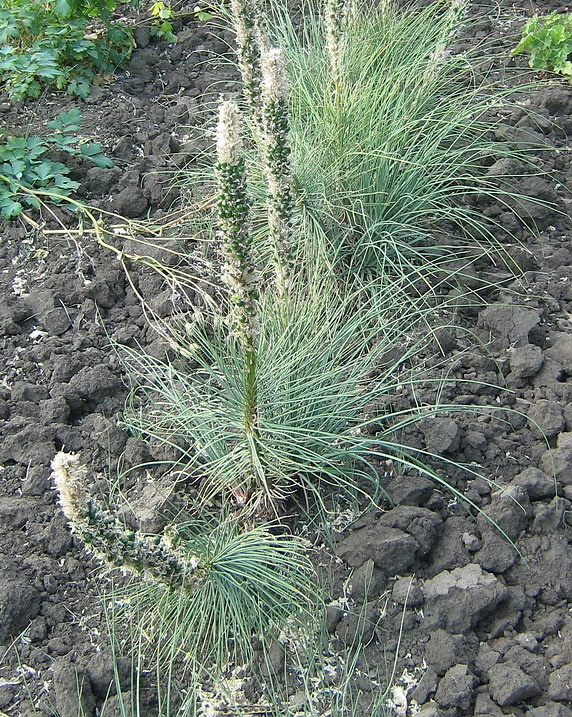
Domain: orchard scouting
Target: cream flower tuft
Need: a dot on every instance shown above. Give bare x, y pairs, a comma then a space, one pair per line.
69, 477
228, 142
274, 78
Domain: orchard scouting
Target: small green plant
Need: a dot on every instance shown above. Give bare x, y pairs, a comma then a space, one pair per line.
45, 43
26, 165
162, 14
88, 8
547, 39
203, 14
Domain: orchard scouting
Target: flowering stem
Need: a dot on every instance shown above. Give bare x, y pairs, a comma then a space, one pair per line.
247, 18
277, 164
334, 18
239, 270
265, 85
233, 211
156, 557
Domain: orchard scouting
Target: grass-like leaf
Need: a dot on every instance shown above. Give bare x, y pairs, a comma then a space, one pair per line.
323, 359
258, 578
405, 139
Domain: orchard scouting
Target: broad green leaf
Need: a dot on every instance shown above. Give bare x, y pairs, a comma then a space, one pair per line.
66, 183
67, 121
62, 8
93, 152
64, 142
80, 88
44, 171
9, 207
17, 167
36, 143
90, 149
101, 161
18, 144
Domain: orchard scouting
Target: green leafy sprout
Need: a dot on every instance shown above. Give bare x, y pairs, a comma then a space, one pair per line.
547, 39
162, 14
26, 165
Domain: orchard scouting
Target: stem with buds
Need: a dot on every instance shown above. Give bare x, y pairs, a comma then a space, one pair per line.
239, 269
156, 557
265, 83
277, 163
233, 212
247, 18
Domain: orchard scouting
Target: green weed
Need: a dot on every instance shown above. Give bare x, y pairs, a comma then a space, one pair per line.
66, 44
46, 43
547, 39
26, 165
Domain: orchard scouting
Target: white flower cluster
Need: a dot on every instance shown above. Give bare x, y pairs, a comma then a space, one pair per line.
228, 142
275, 86
334, 20
70, 480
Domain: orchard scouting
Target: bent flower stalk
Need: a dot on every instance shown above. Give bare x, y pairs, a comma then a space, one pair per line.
156, 557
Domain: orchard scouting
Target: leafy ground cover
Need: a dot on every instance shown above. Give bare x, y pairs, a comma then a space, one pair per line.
57, 43
70, 44
27, 164
494, 639
548, 41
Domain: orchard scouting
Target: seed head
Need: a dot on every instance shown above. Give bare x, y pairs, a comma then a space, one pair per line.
70, 481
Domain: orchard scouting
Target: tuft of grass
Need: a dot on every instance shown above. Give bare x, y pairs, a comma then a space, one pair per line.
257, 579
325, 364
316, 675
396, 142
207, 587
